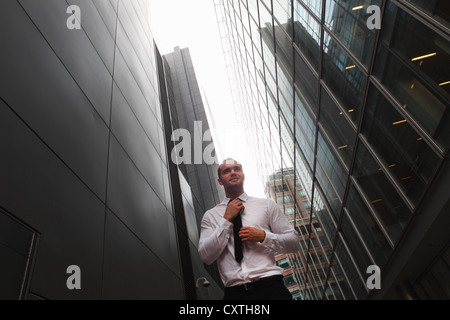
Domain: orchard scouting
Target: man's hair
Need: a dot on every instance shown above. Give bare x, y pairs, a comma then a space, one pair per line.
226, 161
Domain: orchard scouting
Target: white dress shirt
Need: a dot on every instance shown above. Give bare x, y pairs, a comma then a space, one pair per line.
217, 241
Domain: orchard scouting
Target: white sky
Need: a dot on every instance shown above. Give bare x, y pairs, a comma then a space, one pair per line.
193, 24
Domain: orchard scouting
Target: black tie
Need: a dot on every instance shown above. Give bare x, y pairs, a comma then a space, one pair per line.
237, 225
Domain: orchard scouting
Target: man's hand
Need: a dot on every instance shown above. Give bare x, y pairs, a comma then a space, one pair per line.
252, 234
233, 209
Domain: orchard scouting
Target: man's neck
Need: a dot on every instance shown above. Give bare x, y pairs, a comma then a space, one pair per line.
232, 194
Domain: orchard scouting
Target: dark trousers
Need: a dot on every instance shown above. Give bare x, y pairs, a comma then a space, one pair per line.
271, 288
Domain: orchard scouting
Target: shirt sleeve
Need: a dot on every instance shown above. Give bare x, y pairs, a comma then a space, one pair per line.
282, 237
213, 238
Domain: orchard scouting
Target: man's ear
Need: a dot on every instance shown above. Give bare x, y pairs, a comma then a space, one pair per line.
219, 181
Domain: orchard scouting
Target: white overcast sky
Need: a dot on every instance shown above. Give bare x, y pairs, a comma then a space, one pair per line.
193, 24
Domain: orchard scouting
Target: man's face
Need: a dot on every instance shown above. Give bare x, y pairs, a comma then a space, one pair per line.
231, 175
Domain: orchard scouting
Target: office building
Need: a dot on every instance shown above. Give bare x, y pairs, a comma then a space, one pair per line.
286, 190
198, 174
91, 205
354, 96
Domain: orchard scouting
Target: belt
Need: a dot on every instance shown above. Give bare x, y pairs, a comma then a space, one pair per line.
253, 284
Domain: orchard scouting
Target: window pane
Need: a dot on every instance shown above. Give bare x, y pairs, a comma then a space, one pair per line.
350, 270
404, 152
438, 9
306, 82
343, 77
282, 12
337, 127
348, 21
314, 5
354, 243
391, 209
367, 227
413, 63
307, 34
332, 166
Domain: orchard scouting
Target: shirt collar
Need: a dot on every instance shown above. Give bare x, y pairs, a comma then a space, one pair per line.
243, 197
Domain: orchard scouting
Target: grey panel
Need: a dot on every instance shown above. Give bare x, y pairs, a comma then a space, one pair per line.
132, 93
39, 189
109, 15
75, 49
137, 144
131, 270
136, 66
136, 204
96, 28
44, 94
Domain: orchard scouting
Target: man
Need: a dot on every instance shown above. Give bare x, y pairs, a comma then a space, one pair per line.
264, 230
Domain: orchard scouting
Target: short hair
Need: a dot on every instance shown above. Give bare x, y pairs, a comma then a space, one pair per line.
227, 161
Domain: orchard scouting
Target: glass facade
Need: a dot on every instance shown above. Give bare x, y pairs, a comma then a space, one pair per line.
361, 115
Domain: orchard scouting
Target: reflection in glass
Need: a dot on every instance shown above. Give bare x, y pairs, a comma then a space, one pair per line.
391, 209
403, 151
346, 262
362, 259
413, 63
307, 34
306, 82
343, 77
337, 276
332, 166
367, 227
348, 22
337, 127
438, 9
314, 5
282, 13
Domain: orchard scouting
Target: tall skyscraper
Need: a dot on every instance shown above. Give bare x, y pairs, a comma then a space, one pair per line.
194, 152
354, 96
91, 204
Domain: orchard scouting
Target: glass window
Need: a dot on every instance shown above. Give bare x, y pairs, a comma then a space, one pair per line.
337, 127
343, 77
303, 173
360, 254
412, 62
367, 227
307, 34
314, 5
350, 270
438, 9
332, 166
306, 82
348, 22
305, 120
282, 12
321, 211
284, 53
301, 193
392, 211
253, 8
340, 280
403, 151
330, 193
